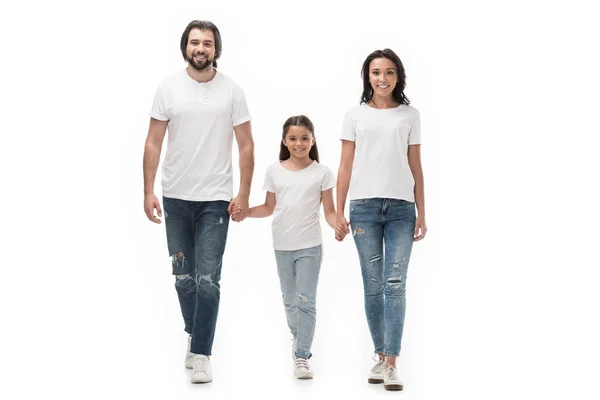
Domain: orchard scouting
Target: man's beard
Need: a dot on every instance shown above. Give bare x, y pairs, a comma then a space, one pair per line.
200, 66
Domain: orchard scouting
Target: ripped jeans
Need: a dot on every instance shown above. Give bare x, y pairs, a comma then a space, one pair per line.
298, 272
383, 232
196, 236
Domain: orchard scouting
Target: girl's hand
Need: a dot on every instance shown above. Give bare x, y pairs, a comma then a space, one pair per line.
420, 228
235, 211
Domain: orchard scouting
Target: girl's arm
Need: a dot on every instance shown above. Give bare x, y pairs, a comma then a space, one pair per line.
414, 161
329, 207
264, 210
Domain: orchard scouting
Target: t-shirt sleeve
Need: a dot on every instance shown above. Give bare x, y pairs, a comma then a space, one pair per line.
328, 181
269, 185
239, 111
159, 105
414, 136
348, 128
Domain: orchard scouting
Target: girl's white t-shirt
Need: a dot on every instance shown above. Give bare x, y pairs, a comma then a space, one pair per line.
298, 194
382, 137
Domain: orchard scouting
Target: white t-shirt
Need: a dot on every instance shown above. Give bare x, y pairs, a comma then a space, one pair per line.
197, 164
298, 194
382, 137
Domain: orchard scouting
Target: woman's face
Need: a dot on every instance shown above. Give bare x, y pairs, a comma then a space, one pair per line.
383, 76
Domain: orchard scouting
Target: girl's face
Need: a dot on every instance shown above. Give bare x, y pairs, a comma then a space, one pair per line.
383, 76
298, 140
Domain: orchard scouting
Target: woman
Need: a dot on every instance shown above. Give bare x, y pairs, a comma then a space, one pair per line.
381, 167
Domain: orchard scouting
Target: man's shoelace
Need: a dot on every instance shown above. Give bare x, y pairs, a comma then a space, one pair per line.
200, 365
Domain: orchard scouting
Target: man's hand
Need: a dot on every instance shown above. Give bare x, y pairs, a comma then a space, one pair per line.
238, 208
150, 204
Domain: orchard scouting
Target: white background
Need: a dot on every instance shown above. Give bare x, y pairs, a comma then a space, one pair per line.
502, 294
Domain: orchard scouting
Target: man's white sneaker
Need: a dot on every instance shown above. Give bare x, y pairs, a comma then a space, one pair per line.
390, 378
202, 369
303, 370
376, 373
189, 360
294, 347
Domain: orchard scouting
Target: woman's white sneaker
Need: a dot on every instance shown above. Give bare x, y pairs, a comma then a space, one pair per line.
376, 373
390, 378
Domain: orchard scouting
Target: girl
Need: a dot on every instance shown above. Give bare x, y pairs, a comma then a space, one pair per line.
381, 166
295, 187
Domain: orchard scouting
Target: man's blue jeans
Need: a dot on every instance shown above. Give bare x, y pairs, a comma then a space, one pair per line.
196, 237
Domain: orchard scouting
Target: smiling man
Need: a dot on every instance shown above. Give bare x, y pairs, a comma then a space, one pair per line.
201, 108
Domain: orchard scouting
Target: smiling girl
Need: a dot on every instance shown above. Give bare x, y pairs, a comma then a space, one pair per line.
296, 186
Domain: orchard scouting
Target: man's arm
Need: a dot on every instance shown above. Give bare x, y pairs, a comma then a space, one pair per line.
243, 136
152, 149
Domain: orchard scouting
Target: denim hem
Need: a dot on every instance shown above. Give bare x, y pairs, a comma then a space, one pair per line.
391, 353
303, 354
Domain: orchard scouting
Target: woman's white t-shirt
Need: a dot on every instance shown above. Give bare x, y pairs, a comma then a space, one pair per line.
298, 194
382, 137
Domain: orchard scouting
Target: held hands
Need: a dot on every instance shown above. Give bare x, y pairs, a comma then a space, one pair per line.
151, 203
341, 227
238, 209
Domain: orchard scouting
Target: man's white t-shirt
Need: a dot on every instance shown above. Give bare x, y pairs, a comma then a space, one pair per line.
382, 137
197, 164
298, 194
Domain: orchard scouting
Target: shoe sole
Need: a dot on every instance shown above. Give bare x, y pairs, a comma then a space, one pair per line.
200, 382
375, 380
396, 387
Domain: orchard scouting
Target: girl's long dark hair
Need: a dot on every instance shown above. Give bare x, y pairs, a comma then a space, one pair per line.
398, 93
298, 120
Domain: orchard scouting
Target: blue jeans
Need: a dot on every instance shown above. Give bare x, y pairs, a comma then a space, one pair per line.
383, 232
196, 236
298, 272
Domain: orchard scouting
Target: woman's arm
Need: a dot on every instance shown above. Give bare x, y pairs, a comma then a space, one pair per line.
414, 161
343, 184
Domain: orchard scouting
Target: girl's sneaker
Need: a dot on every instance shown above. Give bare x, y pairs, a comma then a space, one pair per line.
303, 370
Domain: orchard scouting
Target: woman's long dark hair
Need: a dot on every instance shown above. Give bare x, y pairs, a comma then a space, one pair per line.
298, 120
398, 93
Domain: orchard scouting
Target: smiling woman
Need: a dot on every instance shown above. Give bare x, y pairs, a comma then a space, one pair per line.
384, 192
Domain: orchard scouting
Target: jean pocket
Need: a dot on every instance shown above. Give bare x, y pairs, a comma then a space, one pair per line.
357, 202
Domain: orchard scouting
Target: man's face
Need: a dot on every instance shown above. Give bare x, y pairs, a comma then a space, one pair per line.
200, 51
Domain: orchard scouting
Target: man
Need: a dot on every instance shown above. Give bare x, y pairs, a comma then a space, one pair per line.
201, 108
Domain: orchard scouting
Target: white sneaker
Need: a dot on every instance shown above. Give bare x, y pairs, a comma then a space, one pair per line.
303, 370
376, 374
189, 359
390, 379
294, 347
202, 369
